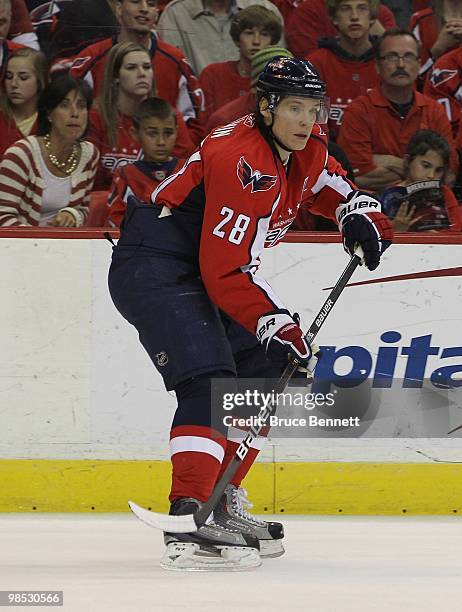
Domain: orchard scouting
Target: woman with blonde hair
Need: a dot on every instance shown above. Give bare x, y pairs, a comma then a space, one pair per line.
25, 77
128, 81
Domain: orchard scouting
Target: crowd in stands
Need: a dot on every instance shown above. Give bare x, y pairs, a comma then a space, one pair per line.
104, 98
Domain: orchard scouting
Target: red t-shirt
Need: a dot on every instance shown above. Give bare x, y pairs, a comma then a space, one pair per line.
254, 210
221, 83
310, 21
174, 78
127, 149
346, 79
233, 110
371, 126
444, 84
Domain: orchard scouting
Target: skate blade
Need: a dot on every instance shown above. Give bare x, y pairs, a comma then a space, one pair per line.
271, 548
189, 557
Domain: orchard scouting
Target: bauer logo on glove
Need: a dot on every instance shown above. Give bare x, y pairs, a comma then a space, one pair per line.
362, 223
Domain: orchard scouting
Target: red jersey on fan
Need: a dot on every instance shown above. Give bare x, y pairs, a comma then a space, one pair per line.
310, 21
444, 84
138, 179
372, 126
346, 77
174, 78
259, 203
424, 26
127, 149
221, 83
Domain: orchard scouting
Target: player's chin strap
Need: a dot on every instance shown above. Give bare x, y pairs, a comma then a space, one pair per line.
191, 522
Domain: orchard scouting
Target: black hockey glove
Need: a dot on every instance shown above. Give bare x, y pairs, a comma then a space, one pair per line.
362, 223
282, 339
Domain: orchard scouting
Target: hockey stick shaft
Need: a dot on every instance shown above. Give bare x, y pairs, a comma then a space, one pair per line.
203, 513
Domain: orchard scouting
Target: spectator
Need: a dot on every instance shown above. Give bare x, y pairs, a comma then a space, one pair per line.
246, 104
47, 179
347, 63
7, 47
201, 28
175, 80
128, 80
252, 29
155, 128
25, 78
438, 29
420, 202
78, 24
310, 21
444, 84
21, 28
377, 127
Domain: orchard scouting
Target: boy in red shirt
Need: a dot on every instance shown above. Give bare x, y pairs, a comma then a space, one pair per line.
155, 129
347, 63
252, 30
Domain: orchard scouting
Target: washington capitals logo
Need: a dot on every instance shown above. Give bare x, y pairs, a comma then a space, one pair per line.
248, 176
439, 76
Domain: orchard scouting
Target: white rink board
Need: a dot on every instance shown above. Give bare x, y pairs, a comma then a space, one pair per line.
77, 384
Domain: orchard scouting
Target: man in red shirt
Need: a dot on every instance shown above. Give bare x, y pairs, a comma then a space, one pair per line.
377, 127
310, 21
175, 80
347, 63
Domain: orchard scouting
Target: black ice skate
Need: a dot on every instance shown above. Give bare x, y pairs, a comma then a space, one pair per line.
212, 547
232, 514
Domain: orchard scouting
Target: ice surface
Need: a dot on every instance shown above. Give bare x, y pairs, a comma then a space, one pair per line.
332, 564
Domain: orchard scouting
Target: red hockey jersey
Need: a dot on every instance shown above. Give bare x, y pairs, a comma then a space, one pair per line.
444, 84
174, 78
139, 179
127, 149
246, 200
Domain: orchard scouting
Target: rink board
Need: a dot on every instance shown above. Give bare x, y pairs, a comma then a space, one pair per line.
84, 417
292, 488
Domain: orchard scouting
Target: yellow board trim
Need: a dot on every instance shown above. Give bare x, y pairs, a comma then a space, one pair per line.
292, 488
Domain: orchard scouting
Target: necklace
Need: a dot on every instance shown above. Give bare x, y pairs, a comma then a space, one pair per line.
70, 164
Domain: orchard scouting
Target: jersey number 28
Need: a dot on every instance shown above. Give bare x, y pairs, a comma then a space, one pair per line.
237, 232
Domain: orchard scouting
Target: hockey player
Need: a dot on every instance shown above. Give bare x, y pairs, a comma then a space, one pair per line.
195, 252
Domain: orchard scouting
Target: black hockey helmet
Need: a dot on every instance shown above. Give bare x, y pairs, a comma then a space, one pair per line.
290, 76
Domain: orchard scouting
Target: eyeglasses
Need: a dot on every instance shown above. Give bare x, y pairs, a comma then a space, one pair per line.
393, 58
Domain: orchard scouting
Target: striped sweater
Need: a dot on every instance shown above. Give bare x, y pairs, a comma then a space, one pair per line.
22, 185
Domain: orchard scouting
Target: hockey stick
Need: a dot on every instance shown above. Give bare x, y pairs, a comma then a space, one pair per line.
191, 522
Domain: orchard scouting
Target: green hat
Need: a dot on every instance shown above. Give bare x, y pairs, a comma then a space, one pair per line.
261, 58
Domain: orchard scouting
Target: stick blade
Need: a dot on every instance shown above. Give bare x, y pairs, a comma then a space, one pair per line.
165, 522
